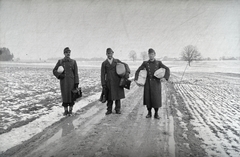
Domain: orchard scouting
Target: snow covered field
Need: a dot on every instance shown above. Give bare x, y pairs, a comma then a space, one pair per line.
211, 93
30, 100
30, 92
213, 101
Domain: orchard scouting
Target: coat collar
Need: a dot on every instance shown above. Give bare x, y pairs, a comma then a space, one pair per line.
152, 61
66, 59
113, 62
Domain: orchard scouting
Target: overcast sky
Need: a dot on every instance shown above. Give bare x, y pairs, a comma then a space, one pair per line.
34, 29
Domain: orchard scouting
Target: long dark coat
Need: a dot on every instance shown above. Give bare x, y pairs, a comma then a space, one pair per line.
152, 88
111, 80
70, 78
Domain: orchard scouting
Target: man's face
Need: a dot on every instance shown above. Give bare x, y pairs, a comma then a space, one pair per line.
110, 55
67, 54
151, 56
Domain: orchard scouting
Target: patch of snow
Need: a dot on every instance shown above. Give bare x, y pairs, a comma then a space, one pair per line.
12, 138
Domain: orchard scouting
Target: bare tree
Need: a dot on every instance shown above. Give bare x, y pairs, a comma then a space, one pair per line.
133, 55
190, 53
5, 54
144, 55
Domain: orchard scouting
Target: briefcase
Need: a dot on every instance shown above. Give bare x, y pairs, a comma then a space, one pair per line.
125, 83
76, 93
103, 97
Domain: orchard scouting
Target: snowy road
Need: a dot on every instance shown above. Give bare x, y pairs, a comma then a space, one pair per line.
199, 117
91, 133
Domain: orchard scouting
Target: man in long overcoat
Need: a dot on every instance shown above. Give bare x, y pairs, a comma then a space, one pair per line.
68, 79
110, 82
152, 88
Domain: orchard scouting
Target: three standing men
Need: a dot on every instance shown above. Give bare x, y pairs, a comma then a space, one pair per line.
68, 79
110, 82
152, 88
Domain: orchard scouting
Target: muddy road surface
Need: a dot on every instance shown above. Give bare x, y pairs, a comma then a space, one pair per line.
90, 133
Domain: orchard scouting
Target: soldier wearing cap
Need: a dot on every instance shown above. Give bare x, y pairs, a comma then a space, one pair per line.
152, 88
110, 82
68, 79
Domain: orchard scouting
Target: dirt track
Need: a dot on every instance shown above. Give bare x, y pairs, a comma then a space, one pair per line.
90, 133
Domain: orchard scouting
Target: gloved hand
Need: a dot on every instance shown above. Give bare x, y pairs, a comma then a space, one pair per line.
76, 85
163, 79
61, 76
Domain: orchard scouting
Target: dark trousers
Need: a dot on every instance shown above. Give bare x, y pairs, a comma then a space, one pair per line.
150, 109
117, 105
68, 104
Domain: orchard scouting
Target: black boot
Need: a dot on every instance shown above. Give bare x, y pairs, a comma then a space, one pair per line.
108, 112
156, 116
149, 115
70, 110
118, 112
118, 106
65, 111
109, 107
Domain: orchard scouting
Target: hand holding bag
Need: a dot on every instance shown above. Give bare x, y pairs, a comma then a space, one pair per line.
103, 97
125, 83
76, 93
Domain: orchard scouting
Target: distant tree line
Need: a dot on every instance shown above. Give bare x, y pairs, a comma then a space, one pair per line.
90, 59
133, 55
229, 58
5, 54
189, 53
81, 59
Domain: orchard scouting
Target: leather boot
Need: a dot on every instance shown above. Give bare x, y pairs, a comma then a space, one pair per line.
156, 116
149, 115
70, 110
65, 111
108, 112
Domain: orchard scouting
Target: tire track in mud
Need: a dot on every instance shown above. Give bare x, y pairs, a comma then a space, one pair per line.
187, 144
207, 113
94, 134
215, 129
85, 124
124, 135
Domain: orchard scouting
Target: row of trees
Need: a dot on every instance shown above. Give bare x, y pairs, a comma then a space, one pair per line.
189, 54
229, 58
5, 54
133, 55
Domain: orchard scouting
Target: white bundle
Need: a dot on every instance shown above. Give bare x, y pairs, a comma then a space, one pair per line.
159, 73
120, 69
142, 77
60, 69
